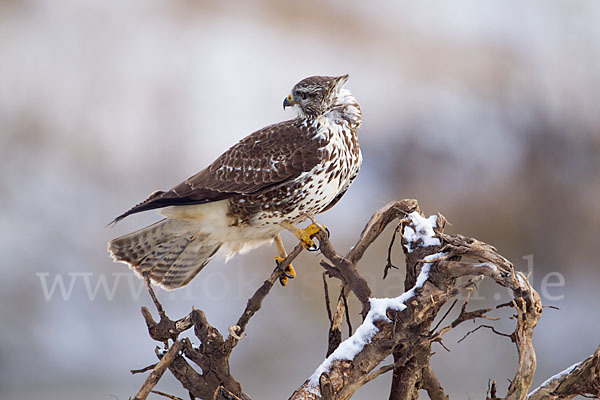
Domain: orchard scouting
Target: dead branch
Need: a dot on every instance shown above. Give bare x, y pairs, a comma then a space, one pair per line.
212, 356
466, 316
255, 302
403, 332
327, 301
347, 272
490, 327
378, 222
400, 326
432, 385
580, 379
142, 370
529, 310
158, 371
389, 265
335, 329
168, 396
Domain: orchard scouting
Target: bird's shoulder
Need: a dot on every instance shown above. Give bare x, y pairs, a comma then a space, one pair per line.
282, 137
266, 158
271, 154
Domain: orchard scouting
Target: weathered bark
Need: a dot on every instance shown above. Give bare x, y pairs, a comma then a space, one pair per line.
581, 379
158, 371
407, 334
404, 331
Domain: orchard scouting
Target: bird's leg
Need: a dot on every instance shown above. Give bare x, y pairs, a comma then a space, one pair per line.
289, 272
304, 235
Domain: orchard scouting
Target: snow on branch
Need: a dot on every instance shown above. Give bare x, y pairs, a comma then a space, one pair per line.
365, 332
422, 235
400, 326
582, 378
420, 231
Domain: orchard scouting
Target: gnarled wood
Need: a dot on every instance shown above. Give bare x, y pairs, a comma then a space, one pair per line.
434, 261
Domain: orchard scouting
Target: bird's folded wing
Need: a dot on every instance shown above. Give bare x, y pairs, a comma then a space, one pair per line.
267, 158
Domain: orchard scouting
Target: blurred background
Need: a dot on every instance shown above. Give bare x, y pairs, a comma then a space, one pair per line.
487, 112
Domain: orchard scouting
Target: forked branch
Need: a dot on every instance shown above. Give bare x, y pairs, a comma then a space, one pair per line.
402, 326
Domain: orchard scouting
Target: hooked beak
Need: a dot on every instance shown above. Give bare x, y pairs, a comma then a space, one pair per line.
288, 101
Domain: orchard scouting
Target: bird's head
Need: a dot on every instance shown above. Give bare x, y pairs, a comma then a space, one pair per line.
315, 95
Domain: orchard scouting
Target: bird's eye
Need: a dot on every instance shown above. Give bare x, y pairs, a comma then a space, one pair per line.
303, 95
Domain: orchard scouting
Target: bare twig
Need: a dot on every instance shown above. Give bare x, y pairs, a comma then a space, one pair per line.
158, 371
467, 316
444, 316
168, 396
389, 264
159, 307
327, 301
552, 307
377, 224
142, 370
255, 302
379, 371
335, 329
347, 312
347, 271
487, 327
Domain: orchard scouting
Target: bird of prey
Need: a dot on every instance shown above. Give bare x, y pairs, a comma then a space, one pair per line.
266, 183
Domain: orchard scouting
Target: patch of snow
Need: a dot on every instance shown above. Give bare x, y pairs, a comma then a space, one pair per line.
350, 347
423, 230
560, 374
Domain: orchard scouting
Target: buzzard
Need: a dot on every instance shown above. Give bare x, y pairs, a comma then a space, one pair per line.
266, 183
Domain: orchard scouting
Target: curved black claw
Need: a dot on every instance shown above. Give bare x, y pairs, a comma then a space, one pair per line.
284, 272
314, 247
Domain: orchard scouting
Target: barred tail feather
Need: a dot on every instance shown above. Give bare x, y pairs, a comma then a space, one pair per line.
169, 251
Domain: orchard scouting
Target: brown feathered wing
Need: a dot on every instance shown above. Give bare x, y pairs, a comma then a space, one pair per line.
269, 157
170, 251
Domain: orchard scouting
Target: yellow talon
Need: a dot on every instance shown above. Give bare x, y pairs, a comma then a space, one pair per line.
288, 273
291, 271
304, 235
307, 235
